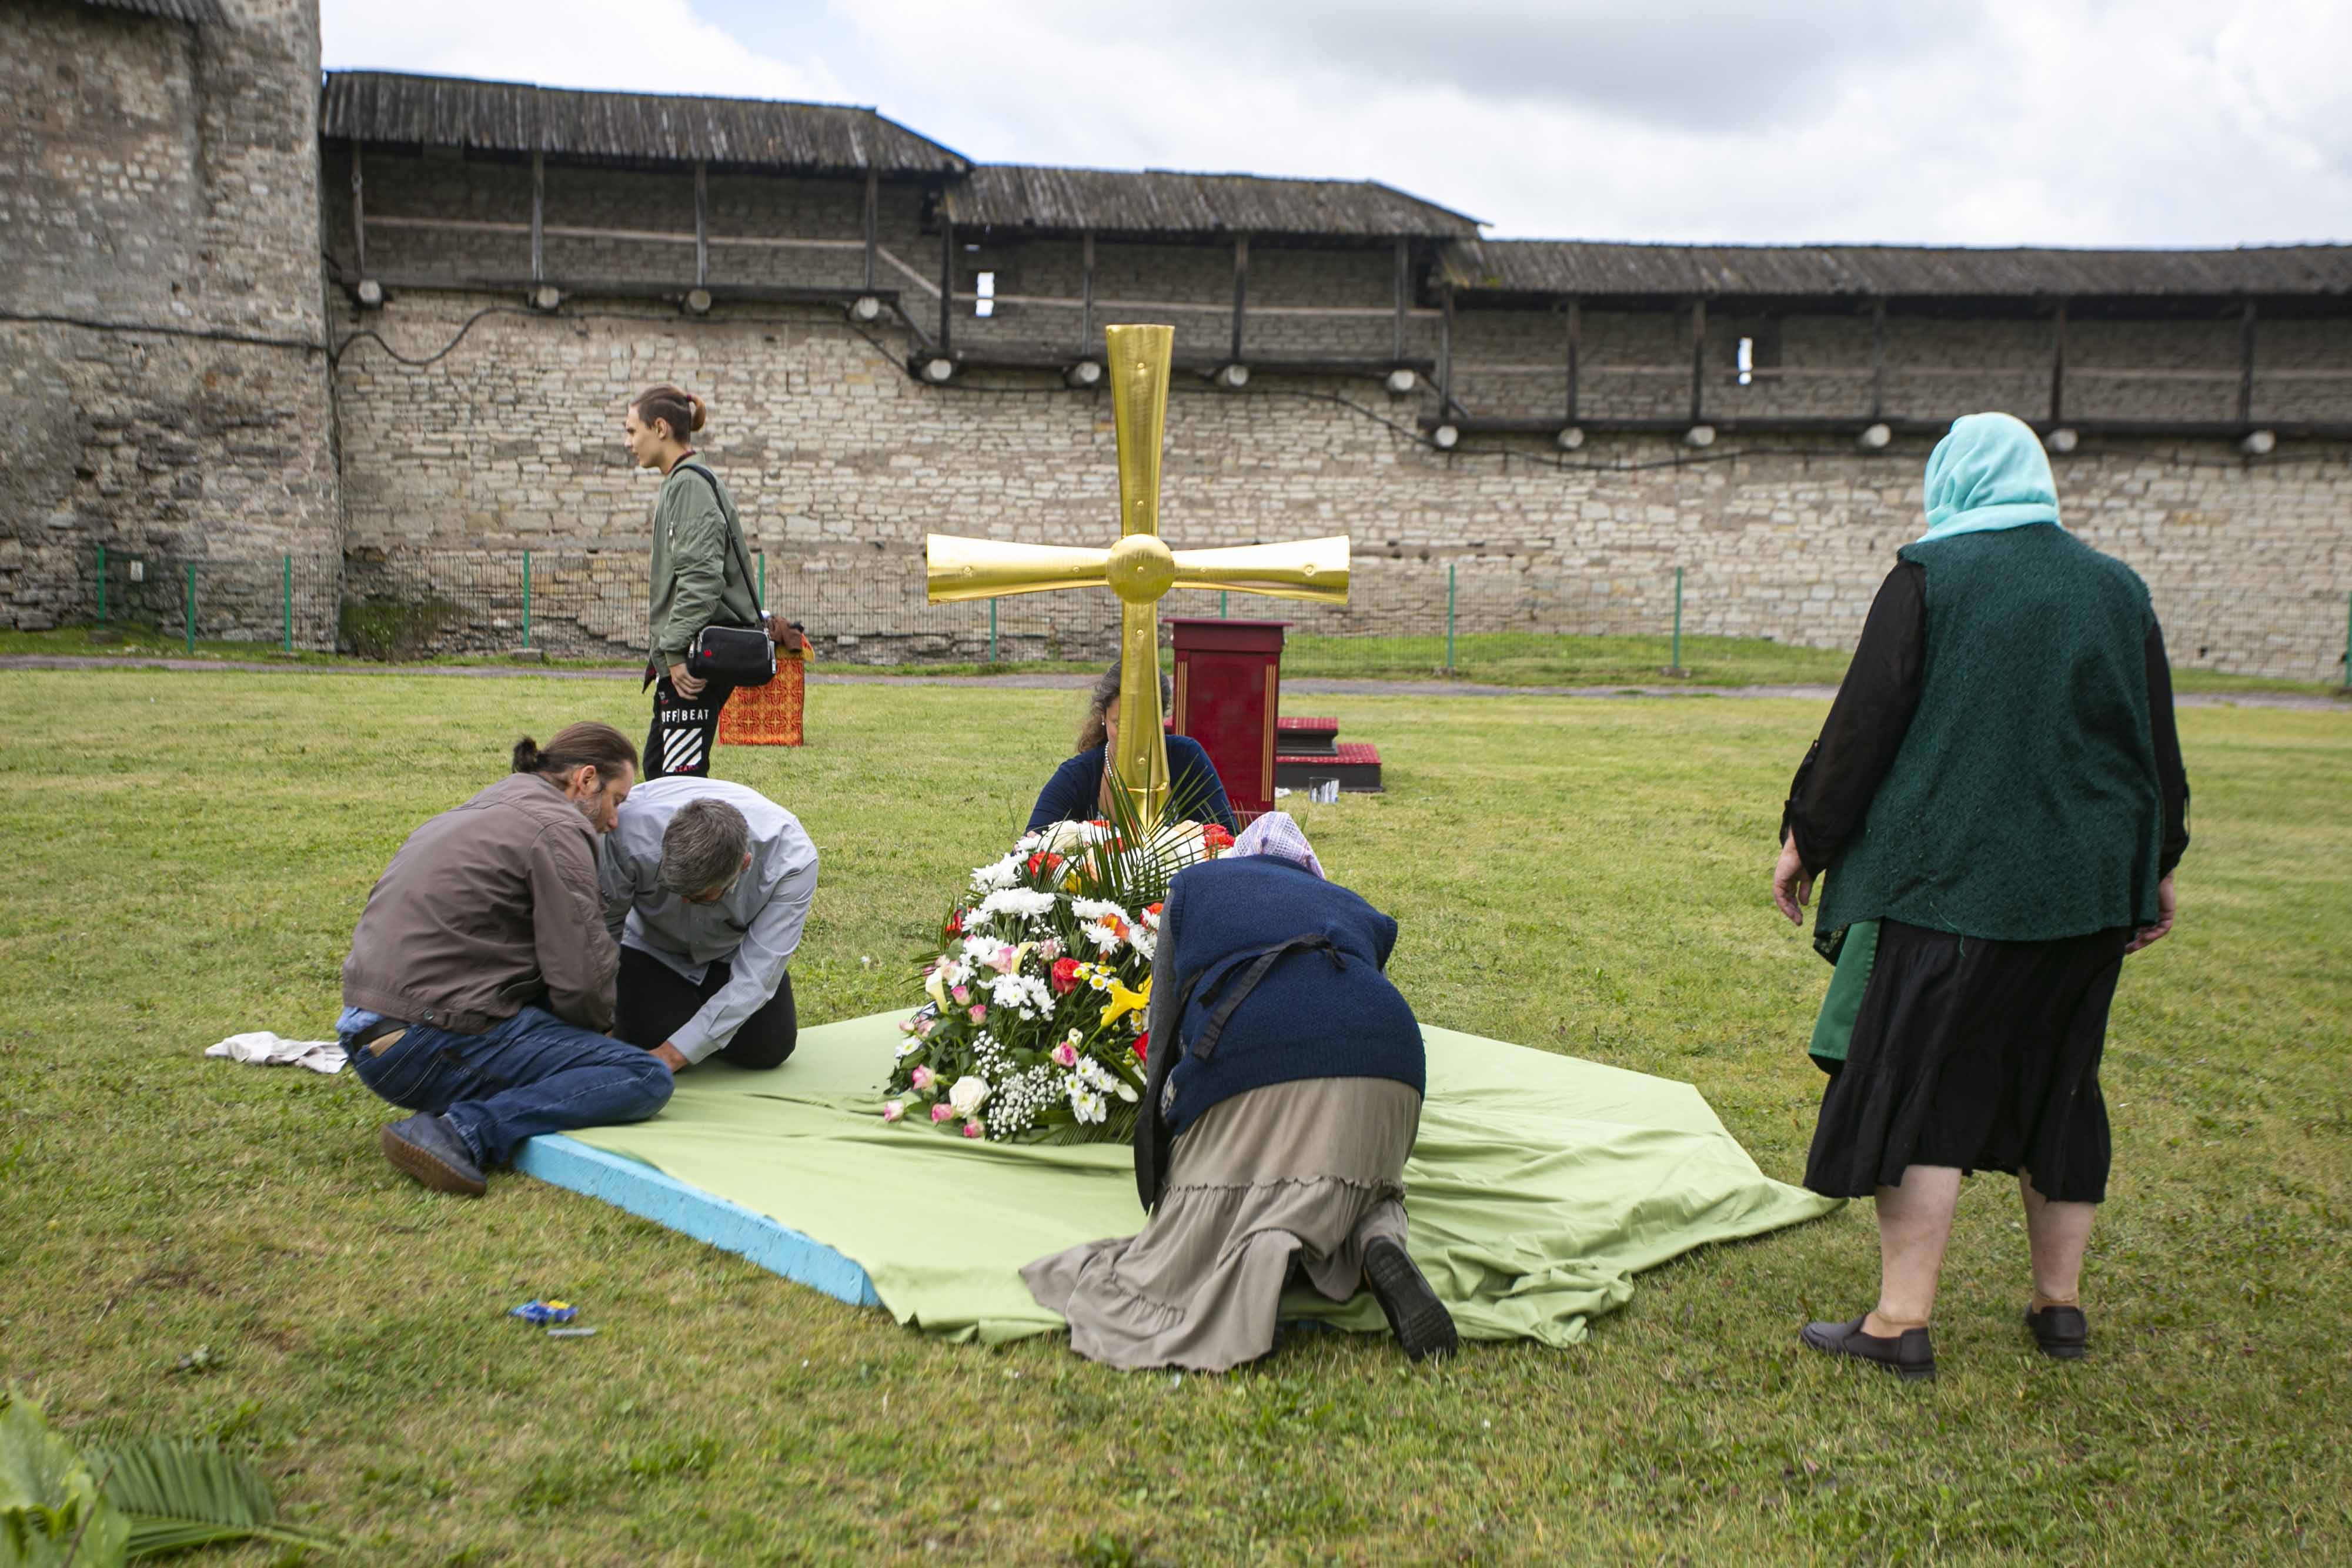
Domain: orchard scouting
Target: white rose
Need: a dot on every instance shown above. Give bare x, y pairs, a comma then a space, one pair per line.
968, 1095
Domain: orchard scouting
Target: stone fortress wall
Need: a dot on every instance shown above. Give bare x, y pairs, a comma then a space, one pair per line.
170, 174
161, 315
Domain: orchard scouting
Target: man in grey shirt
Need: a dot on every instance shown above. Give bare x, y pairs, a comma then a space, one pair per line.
707, 885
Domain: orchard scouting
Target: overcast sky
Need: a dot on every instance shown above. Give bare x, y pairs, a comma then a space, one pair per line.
2161, 122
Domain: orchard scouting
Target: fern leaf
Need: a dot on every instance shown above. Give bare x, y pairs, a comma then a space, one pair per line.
181, 1494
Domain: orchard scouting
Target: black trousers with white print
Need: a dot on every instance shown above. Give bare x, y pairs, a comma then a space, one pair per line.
686, 729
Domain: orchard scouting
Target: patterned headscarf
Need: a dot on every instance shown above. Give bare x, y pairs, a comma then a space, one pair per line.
1276, 834
1989, 473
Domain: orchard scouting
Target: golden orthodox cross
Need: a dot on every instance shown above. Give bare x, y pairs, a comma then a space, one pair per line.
1140, 566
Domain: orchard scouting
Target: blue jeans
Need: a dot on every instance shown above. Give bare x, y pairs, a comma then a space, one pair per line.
532, 1073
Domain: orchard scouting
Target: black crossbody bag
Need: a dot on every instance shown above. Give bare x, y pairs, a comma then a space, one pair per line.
740, 656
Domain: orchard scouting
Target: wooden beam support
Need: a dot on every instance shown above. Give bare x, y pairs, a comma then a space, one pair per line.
2246, 365
358, 210
701, 222
1575, 350
1241, 291
2058, 365
1698, 360
1878, 360
1445, 354
873, 221
1403, 294
947, 281
538, 218
1087, 293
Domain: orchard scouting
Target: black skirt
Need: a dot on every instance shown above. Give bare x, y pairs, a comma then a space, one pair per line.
1983, 1055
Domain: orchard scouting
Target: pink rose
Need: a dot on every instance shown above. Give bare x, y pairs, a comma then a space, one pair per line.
893, 1110
942, 1111
923, 1078
972, 1129
977, 1012
905, 1026
1066, 1054
962, 993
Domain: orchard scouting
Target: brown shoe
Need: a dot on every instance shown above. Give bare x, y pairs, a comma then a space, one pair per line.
2062, 1332
1910, 1356
428, 1148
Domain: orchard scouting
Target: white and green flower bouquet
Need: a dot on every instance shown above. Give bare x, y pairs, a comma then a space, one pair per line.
1035, 1025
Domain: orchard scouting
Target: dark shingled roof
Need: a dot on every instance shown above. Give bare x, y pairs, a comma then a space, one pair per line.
1812, 271
1598, 268
517, 117
207, 12
1157, 200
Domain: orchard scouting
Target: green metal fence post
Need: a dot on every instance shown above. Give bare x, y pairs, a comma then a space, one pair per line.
992, 631
1449, 617
290, 602
102, 585
1678, 619
526, 599
191, 606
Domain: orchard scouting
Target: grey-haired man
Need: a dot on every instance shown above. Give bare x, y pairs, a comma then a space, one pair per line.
706, 886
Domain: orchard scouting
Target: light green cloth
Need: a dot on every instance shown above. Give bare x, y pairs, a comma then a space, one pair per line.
1988, 473
1539, 1187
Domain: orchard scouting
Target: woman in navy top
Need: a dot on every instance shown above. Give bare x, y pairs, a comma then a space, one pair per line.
1075, 792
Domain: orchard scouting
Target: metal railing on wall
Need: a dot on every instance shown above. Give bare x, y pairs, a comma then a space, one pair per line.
1404, 618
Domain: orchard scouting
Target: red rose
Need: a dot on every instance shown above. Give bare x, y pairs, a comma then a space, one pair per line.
1217, 838
1044, 862
1065, 976
955, 924
1143, 1046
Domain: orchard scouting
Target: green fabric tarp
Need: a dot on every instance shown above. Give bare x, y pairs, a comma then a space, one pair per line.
1541, 1185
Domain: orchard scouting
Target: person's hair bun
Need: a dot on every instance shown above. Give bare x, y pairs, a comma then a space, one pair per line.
525, 756
699, 412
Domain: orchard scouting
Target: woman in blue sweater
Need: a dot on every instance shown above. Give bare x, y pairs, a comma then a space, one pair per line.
1284, 1097
1075, 793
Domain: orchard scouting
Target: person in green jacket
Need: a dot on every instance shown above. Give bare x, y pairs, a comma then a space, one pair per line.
1998, 802
697, 579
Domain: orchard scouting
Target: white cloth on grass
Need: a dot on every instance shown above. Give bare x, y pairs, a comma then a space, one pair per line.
262, 1049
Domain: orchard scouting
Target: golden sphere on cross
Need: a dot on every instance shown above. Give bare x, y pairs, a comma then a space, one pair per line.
1141, 568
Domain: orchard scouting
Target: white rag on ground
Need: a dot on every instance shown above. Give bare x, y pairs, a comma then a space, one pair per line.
263, 1048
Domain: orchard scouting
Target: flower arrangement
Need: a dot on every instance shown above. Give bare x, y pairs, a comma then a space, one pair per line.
1039, 993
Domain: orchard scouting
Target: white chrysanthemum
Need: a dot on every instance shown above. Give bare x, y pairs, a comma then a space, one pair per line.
1025, 903
1146, 943
1093, 1073
999, 873
1104, 937
1087, 1106
1096, 909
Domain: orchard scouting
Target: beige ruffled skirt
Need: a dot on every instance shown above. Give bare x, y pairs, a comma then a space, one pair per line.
1306, 1172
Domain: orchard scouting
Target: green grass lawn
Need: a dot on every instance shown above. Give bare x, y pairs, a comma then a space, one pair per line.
1495, 658
186, 854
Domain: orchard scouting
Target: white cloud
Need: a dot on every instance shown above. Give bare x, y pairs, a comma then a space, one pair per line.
2004, 122
633, 46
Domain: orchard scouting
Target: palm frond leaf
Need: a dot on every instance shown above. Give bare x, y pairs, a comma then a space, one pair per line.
180, 1494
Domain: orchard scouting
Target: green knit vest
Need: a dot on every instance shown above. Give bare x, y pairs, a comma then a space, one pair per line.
2023, 804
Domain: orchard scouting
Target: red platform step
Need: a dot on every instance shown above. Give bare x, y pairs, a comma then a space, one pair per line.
1355, 764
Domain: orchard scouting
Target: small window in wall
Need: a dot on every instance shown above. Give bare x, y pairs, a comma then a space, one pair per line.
985, 290
1747, 362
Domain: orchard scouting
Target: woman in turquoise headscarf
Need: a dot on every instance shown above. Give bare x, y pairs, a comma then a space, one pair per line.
1997, 802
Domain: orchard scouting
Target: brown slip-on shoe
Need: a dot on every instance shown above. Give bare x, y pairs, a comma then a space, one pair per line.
2060, 1333
1910, 1356
429, 1149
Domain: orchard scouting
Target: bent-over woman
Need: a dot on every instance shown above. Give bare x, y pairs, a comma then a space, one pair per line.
1079, 790
1998, 802
700, 578
1283, 1100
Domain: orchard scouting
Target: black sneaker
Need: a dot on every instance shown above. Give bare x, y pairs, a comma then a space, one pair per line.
428, 1148
1417, 1318
1910, 1356
2062, 1332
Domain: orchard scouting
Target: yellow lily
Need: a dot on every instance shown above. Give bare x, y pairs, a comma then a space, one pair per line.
1124, 1001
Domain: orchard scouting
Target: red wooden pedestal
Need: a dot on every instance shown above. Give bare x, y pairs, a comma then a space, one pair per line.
1228, 697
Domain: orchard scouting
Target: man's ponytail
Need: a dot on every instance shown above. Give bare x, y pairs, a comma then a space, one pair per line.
589, 744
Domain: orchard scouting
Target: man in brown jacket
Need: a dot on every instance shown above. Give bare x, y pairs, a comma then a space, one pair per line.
480, 979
